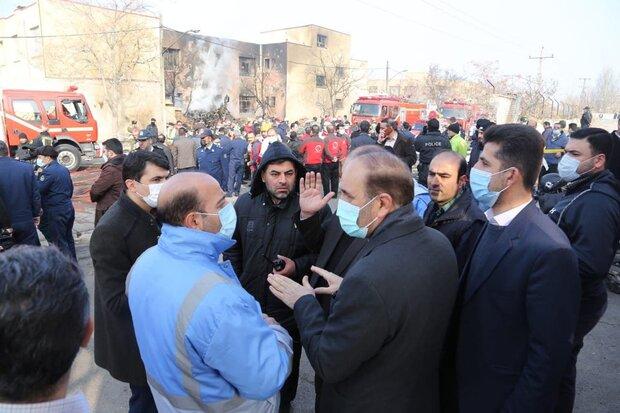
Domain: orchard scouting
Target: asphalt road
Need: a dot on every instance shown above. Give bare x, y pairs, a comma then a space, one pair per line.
598, 366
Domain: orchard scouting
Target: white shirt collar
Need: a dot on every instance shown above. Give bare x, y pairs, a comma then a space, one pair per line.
73, 403
505, 218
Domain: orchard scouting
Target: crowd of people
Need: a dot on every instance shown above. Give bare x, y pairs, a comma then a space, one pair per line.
449, 289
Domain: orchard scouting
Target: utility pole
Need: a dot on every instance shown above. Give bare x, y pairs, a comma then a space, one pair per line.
584, 80
387, 77
540, 59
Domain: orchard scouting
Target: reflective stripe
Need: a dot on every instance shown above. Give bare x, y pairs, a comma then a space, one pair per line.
21, 121
188, 308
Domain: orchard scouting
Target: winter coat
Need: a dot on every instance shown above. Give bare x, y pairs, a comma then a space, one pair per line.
108, 187
589, 215
265, 230
461, 224
122, 234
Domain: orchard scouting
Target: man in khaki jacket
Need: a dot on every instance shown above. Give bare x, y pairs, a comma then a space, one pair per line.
184, 152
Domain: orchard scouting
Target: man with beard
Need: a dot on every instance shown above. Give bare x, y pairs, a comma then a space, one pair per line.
267, 240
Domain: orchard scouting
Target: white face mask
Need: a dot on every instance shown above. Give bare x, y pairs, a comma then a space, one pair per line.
105, 157
151, 198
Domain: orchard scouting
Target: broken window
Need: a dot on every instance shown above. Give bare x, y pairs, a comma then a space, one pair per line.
74, 109
50, 110
246, 66
171, 59
245, 104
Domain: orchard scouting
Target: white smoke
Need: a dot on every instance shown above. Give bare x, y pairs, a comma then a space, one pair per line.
214, 79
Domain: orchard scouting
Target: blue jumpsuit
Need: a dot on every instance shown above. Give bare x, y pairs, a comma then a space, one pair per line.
225, 145
210, 161
236, 164
56, 189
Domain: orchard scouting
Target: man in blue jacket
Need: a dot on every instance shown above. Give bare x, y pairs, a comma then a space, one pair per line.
554, 145
56, 189
204, 341
518, 299
210, 157
19, 191
589, 215
236, 163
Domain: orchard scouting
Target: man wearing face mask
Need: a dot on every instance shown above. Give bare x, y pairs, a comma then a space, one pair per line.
267, 240
518, 299
589, 215
554, 146
108, 187
56, 189
380, 346
205, 344
126, 230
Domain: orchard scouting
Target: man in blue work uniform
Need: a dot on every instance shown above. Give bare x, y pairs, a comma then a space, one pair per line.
236, 163
210, 157
56, 189
18, 190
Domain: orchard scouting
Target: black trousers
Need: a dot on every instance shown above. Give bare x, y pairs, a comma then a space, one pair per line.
318, 168
141, 400
57, 226
25, 233
590, 312
330, 176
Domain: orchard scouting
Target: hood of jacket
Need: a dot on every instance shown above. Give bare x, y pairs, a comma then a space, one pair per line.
275, 152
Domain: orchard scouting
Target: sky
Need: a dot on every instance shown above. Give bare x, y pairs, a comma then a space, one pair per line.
411, 34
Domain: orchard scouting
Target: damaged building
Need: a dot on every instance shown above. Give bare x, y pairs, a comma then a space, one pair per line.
296, 72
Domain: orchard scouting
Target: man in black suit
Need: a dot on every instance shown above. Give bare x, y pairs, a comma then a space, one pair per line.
518, 298
380, 346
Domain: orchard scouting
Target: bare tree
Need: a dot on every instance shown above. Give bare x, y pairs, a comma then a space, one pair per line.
122, 48
262, 85
606, 92
440, 83
334, 80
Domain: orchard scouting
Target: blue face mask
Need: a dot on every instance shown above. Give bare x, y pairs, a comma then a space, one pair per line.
348, 214
479, 182
40, 162
228, 220
567, 168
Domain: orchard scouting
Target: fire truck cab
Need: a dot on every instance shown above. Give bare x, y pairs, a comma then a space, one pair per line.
65, 115
464, 113
376, 108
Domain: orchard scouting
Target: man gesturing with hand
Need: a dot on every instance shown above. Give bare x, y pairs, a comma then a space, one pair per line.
381, 344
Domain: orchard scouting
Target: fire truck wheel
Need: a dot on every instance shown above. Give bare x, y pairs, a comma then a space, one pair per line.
69, 156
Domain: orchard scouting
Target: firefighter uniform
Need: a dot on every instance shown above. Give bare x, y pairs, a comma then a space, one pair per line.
56, 189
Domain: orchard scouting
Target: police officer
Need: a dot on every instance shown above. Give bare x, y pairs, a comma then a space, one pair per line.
589, 215
210, 157
56, 189
428, 146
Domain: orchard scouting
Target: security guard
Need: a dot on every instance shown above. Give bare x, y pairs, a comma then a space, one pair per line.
210, 157
56, 189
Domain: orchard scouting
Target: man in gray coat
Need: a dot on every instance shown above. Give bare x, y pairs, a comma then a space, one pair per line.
380, 347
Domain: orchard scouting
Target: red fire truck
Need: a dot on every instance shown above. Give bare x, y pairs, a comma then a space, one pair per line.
464, 113
65, 115
376, 108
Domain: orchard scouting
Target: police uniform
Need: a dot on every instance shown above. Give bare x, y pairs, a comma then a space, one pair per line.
210, 161
56, 189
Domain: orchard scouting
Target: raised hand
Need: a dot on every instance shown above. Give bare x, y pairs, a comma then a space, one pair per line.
333, 281
311, 199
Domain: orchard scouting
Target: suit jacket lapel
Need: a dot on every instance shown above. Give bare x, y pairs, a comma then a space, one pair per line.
504, 244
349, 256
332, 236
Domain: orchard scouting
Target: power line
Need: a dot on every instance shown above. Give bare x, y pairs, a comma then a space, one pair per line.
419, 23
479, 26
44, 36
